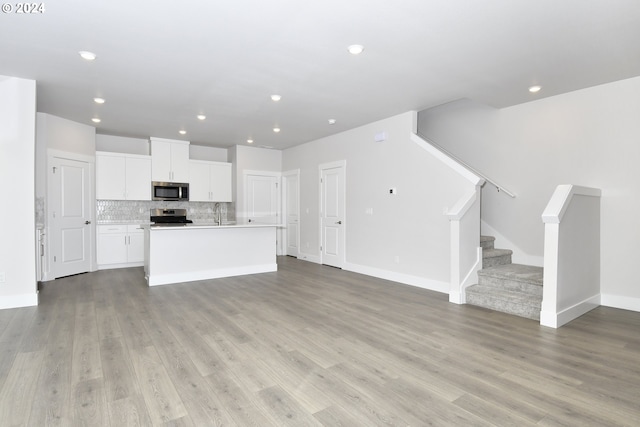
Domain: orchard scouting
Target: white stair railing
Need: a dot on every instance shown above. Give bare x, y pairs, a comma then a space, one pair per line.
571, 278
466, 254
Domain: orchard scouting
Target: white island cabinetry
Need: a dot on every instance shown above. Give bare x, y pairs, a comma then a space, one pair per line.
200, 252
209, 181
120, 245
123, 176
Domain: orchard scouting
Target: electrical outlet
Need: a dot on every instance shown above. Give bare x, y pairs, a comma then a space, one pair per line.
3, 278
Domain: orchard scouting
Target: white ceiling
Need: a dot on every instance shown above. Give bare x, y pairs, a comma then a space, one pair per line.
160, 63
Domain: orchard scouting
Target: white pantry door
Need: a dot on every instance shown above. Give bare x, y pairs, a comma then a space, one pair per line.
292, 213
332, 214
71, 216
262, 198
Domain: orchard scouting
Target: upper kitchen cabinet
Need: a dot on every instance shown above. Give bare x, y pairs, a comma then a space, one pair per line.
169, 160
123, 176
209, 181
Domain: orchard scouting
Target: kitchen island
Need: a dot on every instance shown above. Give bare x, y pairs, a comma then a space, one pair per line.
201, 251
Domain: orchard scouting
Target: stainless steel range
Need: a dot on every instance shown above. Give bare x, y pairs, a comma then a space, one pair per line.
169, 217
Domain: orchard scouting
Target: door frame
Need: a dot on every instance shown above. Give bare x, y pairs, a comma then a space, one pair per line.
332, 165
285, 211
51, 241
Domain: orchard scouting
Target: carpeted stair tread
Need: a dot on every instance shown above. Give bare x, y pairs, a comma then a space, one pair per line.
490, 253
486, 242
506, 301
492, 257
502, 286
517, 272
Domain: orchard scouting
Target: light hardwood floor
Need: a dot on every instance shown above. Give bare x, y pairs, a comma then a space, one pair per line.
309, 345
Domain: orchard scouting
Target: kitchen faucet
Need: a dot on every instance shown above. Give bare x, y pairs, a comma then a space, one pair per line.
217, 213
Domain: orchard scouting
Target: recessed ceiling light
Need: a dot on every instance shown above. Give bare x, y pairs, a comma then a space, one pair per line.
355, 49
276, 129
249, 141
332, 121
89, 56
98, 100
276, 98
201, 116
182, 132
534, 89
96, 120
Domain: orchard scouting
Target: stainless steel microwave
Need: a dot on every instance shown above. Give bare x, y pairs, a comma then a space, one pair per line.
176, 191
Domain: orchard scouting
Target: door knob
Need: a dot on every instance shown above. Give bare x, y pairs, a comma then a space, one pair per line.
339, 222
87, 222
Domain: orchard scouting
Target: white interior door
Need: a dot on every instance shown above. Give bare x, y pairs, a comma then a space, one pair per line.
262, 198
71, 216
332, 214
292, 213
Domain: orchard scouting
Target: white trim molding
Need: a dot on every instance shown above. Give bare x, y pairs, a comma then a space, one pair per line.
18, 301
465, 251
405, 279
447, 160
571, 255
621, 302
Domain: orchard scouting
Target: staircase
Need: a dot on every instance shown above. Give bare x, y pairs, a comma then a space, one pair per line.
502, 286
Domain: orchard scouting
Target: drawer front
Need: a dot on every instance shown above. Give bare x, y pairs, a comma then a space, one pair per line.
134, 228
108, 229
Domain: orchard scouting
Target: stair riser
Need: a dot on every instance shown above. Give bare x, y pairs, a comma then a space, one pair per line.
510, 284
498, 260
522, 310
486, 244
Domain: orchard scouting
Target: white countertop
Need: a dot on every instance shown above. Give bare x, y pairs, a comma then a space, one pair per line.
202, 225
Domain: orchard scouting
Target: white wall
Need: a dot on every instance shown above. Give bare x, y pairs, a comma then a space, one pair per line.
17, 171
121, 144
212, 154
410, 225
588, 137
65, 135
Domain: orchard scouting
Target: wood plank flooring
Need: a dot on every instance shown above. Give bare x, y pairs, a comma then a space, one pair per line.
308, 345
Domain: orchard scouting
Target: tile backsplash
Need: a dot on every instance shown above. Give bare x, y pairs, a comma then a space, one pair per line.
110, 211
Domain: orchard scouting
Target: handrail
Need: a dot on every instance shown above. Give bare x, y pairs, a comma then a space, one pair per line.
467, 166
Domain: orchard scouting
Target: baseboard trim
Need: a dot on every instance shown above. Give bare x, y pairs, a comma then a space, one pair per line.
18, 301
114, 266
405, 279
309, 257
555, 320
624, 303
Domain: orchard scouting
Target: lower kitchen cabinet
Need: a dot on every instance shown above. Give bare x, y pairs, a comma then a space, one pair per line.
120, 246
